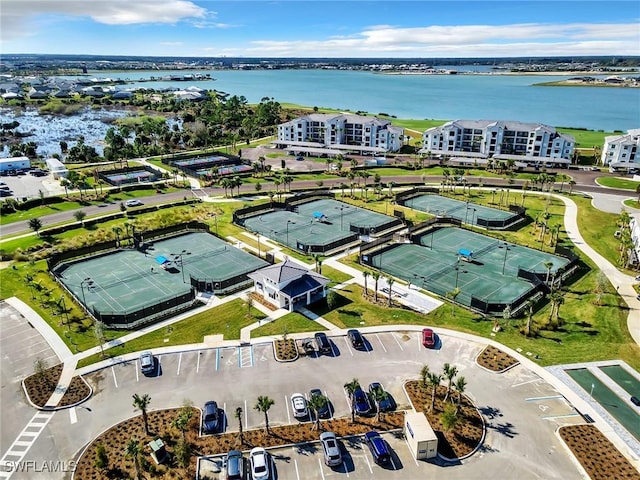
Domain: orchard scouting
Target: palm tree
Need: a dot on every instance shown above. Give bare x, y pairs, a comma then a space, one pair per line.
133, 450
548, 266
390, 282
117, 231
35, 224
238, 415
460, 386
181, 422
557, 299
424, 374
263, 405
433, 381
142, 403
379, 395
571, 184
449, 371
376, 276
529, 308
65, 184
315, 403
449, 419
365, 274
350, 388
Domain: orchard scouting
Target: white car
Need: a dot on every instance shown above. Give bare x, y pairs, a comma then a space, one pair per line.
133, 203
260, 464
299, 405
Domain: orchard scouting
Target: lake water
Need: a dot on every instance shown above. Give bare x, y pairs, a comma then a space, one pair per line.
444, 97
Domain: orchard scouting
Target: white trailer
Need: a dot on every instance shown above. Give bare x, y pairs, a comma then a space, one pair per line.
421, 438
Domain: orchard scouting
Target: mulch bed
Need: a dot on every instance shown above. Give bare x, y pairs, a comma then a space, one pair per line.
260, 299
78, 391
285, 349
495, 360
466, 437
115, 439
40, 387
597, 455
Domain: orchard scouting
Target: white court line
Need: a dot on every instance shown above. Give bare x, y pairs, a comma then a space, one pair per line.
395, 337
347, 342
115, 380
295, 464
179, 363
381, 344
198, 362
72, 415
286, 403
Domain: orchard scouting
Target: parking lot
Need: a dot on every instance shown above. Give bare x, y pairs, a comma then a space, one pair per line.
29, 186
521, 411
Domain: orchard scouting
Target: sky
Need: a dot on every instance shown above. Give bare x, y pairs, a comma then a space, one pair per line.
288, 28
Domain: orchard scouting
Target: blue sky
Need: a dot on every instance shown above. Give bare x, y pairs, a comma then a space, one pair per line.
385, 28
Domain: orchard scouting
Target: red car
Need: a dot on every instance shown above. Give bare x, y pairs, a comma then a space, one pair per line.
428, 338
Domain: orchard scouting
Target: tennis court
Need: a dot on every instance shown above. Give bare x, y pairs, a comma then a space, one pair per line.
467, 212
493, 276
319, 225
127, 282
200, 162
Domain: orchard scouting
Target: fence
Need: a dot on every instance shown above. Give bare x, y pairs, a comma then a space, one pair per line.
402, 197
107, 174
325, 248
240, 215
306, 197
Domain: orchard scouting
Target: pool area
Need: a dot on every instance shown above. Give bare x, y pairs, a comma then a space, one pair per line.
615, 406
622, 377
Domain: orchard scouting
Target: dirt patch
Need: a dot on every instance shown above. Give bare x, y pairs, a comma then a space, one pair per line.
260, 299
40, 386
116, 438
597, 455
495, 360
77, 392
467, 434
285, 349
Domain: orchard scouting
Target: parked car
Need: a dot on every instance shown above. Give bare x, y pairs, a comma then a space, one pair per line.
133, 203
307, 345
147, 363
428, 338
5, 193
36, 172
210, 417
299, 405
260, 464
330, 449
635, 401
356, 338
323, 343
234, 464
323, 412
360, 400
384, 405
378, 447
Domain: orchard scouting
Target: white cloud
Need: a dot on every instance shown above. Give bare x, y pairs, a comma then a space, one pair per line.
18, 15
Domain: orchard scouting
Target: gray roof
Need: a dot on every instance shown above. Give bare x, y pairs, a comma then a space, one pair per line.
285, 271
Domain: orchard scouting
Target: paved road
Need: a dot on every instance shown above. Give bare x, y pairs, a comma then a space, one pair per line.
585, 181
521, 409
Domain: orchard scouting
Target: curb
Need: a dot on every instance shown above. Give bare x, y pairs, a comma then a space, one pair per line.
63, 407
289, 360
495, 371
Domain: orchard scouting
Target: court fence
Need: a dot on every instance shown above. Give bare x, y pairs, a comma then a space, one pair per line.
107, 174
240, 215
306, 197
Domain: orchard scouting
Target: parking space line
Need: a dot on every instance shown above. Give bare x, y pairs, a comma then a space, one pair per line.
246, 414
179, 363
321, 470
286, 404
347, 343
198, 361
397, 341
217, 359
72, 415
224, 417
115, 380
368, 464
381, 344
295, 464
137, 372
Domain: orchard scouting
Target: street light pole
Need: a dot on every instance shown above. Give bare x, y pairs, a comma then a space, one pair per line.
86, 282
504, 262
179, 256
288, 222
466, 213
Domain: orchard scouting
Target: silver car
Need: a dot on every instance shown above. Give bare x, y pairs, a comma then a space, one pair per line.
331, 449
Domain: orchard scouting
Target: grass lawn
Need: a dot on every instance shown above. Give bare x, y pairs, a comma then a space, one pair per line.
632, 203
226, 319
586, 138
336, 276
292, 322
617, 182
38, 212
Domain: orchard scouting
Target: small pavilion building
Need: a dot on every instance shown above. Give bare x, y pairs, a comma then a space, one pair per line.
287, 284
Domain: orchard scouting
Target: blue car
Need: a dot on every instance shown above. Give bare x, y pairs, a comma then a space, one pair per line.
386, 403
360, 401
378, 448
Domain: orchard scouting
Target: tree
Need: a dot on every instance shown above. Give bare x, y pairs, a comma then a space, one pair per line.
182, 452
557, 299
424, 374
102, 460
350, 388
332, 299
600, 287
133, 451
80, 215
433, 381
35, 224
141, 402
390, 282
453, 295
449, 419
263, 405
571, 184
117, 232
40, 366
379, 395
365, 274
238, 415
548, 266
376, 277
529, 323
98, 333
315, 403
182, 419
449, 371
460, 387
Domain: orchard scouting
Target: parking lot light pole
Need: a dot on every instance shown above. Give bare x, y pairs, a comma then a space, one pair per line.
87, 282
506, 249
289, 222
179, 256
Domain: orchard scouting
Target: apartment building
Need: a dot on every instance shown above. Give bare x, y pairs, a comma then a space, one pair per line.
340, 132
622, 151
527, 142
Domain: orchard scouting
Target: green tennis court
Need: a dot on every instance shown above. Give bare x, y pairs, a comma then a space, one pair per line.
492, 276
126, 282
466, 212
325, 223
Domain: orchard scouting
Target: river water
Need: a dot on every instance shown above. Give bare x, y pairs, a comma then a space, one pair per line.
465, 96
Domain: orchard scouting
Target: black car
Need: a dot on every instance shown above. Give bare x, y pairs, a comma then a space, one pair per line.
210, 417
324, 345
356, 338
38, 173
361, 403
325, 411
635, 401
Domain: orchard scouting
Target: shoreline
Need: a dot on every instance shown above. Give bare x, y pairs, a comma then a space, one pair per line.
505, 73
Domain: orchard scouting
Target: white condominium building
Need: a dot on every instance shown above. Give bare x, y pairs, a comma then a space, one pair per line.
529, 142
341, 132
621, 150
